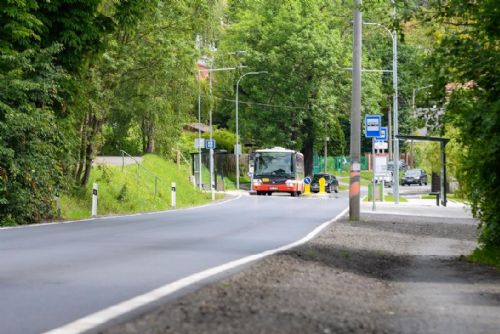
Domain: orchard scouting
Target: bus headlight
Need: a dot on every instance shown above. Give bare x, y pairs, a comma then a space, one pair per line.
257, 182
290, 183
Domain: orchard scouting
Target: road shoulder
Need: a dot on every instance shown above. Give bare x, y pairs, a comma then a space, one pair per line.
386, 274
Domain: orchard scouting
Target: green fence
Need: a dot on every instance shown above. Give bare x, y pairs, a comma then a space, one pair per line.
338, 163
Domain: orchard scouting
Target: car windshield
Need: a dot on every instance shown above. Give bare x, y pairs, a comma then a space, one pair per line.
274, 164
319, 176
413, 173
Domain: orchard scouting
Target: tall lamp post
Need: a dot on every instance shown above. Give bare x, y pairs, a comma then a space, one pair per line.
209, 71
395, 114
237, 146
327, 139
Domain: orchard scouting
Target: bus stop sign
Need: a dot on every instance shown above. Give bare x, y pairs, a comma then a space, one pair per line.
373, 125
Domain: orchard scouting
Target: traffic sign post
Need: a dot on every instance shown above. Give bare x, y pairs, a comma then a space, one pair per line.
199, 143
210, 144
373, 130
383, 134
307, 186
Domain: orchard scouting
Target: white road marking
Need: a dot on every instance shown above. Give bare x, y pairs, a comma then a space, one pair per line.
101, 317
122, 216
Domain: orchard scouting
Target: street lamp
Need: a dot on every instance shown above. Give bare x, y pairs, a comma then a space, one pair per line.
395, 122
327, 139
237, 146
211, 155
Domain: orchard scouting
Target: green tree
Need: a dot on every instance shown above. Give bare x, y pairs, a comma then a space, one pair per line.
467, 62
307, 90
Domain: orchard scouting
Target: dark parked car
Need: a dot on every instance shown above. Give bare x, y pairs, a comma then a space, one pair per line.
414, 176
332, 184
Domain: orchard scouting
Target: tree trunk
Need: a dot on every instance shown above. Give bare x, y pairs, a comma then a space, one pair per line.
95, 128
148, 140
83, 144
308, 146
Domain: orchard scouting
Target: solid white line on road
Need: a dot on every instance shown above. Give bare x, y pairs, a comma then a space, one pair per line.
122, 216
101, 317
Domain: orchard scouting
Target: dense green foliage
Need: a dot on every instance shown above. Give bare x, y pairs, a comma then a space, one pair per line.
306, 92
70, 70
468, 58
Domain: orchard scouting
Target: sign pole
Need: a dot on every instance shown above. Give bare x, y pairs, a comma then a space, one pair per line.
373, 173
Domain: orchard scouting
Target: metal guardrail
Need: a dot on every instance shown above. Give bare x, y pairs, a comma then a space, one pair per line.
139, 166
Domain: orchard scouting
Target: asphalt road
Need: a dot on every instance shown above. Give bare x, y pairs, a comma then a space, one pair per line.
54, 274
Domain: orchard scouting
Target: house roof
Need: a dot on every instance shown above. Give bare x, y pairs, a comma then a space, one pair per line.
196, 126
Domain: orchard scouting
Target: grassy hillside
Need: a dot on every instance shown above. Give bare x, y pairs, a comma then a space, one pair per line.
133, 190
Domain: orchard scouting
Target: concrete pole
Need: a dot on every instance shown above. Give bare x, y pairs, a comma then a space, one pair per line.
199, 136
236, 148
355, 147
212, 179
389, 135
443, 174
326, 155
395, 111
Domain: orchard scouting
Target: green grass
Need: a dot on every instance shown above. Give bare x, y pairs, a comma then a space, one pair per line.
453, 197
133, 190
486, 255
387, 198
343, 187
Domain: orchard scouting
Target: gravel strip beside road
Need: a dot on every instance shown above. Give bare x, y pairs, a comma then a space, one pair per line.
386, 274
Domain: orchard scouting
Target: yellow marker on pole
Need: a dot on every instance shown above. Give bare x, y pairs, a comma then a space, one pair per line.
307, 186
322, 183
307, 190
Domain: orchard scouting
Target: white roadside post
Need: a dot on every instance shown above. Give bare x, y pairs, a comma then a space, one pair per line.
173, 195
94, 200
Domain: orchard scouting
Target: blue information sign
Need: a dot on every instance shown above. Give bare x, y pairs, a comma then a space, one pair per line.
373, 124
210, 144
307, 180
383, 134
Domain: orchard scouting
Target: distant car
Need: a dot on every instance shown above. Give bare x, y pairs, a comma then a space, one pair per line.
386, 178
390, 165
331, 184
414, 176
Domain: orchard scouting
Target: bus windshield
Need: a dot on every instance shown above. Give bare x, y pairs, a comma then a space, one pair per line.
274, 164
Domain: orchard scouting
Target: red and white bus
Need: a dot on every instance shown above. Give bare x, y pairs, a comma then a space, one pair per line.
278, 170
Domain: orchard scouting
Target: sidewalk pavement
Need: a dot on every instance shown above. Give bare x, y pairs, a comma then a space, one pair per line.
419, 207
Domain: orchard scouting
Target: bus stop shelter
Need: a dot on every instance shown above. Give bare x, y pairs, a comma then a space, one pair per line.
442, 142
